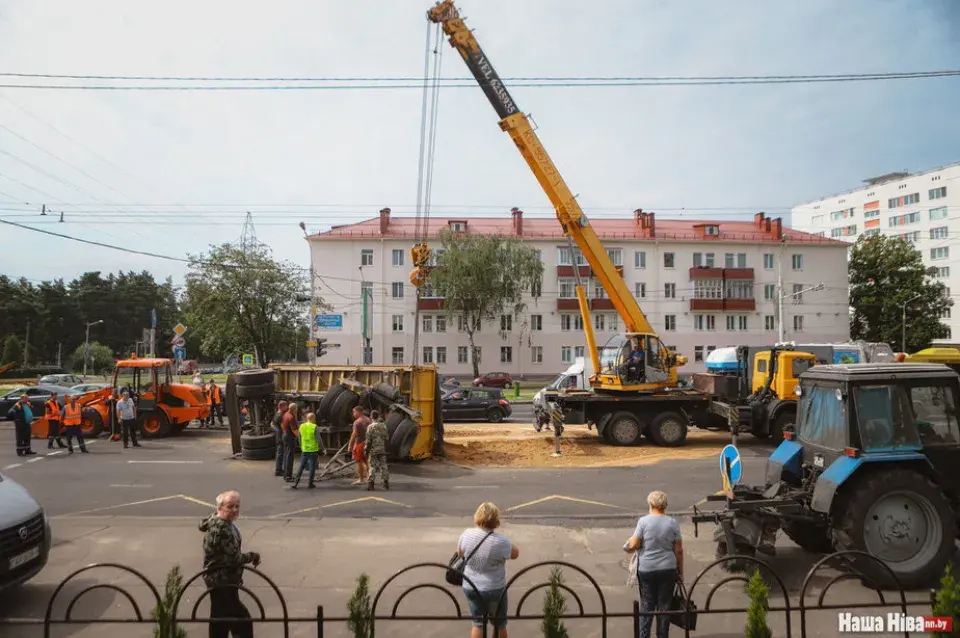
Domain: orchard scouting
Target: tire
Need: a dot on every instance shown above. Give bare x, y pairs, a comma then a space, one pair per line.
154, 425
786, 421
261, 454
258, 441
254, 377
393, 421
323, 410
341, 408
232, 402
668, 429
910, 501
404, 437
91, 423
385, 394
809, 537
255, 391
623, 429
495, 415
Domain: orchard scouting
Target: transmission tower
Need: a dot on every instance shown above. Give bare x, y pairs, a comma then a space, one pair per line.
248, 238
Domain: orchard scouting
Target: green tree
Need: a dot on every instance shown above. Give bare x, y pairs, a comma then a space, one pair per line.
12, 350
359, 609
237, 300
554, 607
99, 358
947, 601
484, 277
886, 275
758, 591
164, 613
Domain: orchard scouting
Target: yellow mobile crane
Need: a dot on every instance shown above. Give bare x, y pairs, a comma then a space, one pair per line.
632, 394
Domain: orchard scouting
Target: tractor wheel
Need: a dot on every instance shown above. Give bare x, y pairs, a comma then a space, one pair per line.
91, 424
809, 537
323, 410
900, 517
341, 408
154, 425
404, 437
254, 377
255, 391
668, 429
624, 429
736, 566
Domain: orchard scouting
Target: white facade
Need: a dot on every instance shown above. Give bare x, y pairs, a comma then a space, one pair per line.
549, 336
922, 207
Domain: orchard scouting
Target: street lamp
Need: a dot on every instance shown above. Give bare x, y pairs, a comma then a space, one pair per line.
903, 338
86, 345
311, 355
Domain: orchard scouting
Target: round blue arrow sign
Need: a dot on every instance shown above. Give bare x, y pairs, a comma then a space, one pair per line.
731, 454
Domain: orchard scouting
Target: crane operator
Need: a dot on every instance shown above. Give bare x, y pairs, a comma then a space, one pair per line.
636, 361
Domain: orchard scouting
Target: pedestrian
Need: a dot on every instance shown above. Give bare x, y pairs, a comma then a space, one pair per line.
357, 443
659, 546
114, 419
223, 562
377, 451
309, 450
278, 435
52, 411
22, 416
486, 553
72, 419
216, 402
288, 427
127, 414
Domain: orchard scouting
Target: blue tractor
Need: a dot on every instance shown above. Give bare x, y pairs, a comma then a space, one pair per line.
874, 465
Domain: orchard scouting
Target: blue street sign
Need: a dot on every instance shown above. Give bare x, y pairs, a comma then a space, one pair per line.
731, 453
180, 354
330, 322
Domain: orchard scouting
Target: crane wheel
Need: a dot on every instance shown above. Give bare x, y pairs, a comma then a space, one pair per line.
326, 401
624, 428
668, 429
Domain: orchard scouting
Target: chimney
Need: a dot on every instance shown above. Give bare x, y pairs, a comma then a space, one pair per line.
646, 222
766, 224
517, 221
778, 228
384, 220
758, 220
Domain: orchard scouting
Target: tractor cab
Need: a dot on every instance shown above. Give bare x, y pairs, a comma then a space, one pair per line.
163, 407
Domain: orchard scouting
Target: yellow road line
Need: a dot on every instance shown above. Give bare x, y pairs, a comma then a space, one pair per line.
559, 497
339, 503
158, 499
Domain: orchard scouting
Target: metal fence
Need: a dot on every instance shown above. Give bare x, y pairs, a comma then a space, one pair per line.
385, 617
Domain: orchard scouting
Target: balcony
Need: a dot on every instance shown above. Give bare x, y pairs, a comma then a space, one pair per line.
720, 305
567, 303
567, 271
702, 272
738, 273
601, 303
430, 303
740, 304
706, 304
593, 273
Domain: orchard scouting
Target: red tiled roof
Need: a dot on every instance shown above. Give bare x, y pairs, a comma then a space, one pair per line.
548, 228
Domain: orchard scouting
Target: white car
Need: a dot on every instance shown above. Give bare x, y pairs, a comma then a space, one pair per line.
25, 537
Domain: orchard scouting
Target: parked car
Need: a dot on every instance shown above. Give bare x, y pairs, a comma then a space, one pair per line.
64, 380
494, 380
24, 535
447, 382
83, 388
476, 404
38, 396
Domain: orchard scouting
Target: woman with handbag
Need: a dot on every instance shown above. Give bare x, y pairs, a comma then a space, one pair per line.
659, 548
481, 556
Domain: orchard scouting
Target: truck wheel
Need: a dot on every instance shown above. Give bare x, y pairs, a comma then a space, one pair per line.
785, 422
91, 423
624, 429
323, 410
154, 425
384, 394
232, 402
809, 537
404, 437
255, 391
254, 377
341, 408
668, 429
902, 518
392, 422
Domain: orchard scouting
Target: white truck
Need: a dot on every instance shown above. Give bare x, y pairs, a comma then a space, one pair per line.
576, 376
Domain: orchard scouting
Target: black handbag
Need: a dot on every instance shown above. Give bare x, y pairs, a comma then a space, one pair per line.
679, 603
458, 563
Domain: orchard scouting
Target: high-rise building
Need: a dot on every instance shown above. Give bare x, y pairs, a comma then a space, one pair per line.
923, 208
702, 284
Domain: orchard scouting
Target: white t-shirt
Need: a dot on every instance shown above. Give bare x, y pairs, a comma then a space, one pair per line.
127, 409
487, 568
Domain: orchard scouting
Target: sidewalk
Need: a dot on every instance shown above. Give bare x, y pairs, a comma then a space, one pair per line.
316, 561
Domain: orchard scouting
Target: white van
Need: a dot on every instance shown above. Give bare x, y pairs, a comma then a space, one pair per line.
25, 537
577, 376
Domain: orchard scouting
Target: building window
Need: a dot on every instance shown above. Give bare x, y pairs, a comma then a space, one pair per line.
670, 291
441, 323
566, 354
797, 294
911, 238
536, 322
506, 323
640, 290
506, 354
366, 288
639, 259
704, 322
615, 255
668, 260
870, 232
903, 220
397, 257
458, 227
710, 349
731, 322
366, 257
945, 313
368, 356
536, 289
735, 260
906, 200
798, 323
568, 289
598, 322
703, 260
768, 261
739, 289
940, 232
566, 322
698, 354
670, 322
564, 259
796, 261
938, 213
462, 354
396, 288
769, 291
942, 272
938, 193
741, 322
578, 351
598, 291
943, 252
427, 323
398, 323
769, 322
427, 355
441, 354
536, 354
613, 321
708, 289
396, 355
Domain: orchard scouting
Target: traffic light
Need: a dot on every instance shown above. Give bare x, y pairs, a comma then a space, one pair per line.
321, 347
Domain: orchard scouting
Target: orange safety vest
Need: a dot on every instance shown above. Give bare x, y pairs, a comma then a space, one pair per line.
216, 394
71, 415
53, 410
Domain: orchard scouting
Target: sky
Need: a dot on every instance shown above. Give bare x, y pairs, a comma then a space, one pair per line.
173, 172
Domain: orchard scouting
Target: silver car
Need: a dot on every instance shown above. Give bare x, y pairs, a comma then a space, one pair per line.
25, 537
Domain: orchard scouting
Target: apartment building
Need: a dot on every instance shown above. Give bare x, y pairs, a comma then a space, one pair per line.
923, 208
702, 285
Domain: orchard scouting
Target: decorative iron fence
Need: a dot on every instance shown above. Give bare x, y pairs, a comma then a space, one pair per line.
384, 617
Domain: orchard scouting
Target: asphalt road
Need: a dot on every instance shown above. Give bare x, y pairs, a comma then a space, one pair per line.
181, 476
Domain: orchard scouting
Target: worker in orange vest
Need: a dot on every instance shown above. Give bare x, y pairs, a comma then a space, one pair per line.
52, 409
72, 419
215, 401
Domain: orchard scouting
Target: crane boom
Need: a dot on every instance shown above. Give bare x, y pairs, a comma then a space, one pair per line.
512, 120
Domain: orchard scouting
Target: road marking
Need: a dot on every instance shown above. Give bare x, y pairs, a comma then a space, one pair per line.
35, 459
55, 453
476, 487
129, 485
558, 497
13, 465
339, 503
168, 462
159, 499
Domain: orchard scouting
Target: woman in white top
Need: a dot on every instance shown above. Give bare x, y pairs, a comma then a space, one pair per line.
486, 569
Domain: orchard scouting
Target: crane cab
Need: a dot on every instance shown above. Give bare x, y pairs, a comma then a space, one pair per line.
636, 362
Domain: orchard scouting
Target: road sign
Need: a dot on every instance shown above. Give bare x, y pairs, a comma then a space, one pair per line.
179, 329
180, 353
247, 360
732, 455
178, 342
329, 323
311, 343
153, 318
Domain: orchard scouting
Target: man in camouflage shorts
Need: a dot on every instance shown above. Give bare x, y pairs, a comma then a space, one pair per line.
377, 451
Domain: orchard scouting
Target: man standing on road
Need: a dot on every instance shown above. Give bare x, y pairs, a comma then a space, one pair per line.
223, 563
22, 416
309, 450
358, 439
216, 402
288, 427
52, 410
377, 451
278, 432
72, 418
127, 414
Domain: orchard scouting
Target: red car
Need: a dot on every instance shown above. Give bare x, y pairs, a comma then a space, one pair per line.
494, 380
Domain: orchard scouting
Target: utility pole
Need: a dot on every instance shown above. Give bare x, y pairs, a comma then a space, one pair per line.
312, 314
86, 345
781, 335
26, 345
903, 338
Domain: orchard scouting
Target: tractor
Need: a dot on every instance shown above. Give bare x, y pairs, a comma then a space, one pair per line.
873, 465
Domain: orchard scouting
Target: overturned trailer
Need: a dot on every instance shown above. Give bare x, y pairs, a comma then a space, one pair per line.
409, 396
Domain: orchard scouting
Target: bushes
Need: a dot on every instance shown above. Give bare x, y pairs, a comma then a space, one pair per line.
757, 611
946, 600
554, 607
359, 612
163, 612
